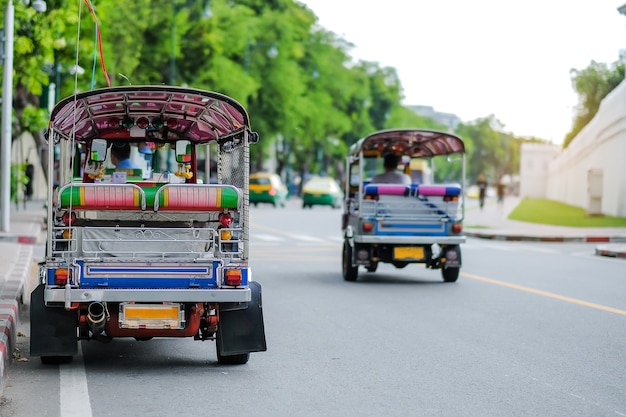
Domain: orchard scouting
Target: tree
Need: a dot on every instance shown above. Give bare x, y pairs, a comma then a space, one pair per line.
592, 84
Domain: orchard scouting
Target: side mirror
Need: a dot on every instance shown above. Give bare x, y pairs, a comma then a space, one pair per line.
183, 151
98, 151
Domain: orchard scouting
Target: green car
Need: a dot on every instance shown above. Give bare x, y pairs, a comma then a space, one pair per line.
266, 187
321, 191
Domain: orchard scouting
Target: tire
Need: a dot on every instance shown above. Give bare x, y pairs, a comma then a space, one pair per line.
450, 274
56, 360
350, 273
372, 267
240, 359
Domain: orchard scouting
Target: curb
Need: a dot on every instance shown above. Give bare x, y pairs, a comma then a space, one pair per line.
531, 238
11, 297
614, 251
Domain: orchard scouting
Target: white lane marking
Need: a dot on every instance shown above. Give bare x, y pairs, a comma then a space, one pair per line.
74, 392
268, 238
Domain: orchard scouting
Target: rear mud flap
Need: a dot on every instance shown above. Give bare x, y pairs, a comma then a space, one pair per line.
52, 330
241, 330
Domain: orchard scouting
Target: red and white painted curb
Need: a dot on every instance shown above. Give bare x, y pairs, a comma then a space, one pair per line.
617, 248
11, 293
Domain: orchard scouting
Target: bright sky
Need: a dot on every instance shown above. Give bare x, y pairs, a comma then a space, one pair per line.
482, 57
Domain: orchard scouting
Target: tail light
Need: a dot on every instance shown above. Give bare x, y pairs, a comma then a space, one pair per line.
272, 192
367, 227
449, 198
371, 197
61, 276
225, 219
457, 228
68, 218
232, 277
143, 122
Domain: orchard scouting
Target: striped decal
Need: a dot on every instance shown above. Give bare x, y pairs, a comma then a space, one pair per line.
387, 190
439, 190
189, 197
101, 197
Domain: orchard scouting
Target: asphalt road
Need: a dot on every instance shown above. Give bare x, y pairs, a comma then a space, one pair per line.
529, 329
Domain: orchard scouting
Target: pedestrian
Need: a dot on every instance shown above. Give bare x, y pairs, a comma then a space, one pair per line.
29, 171
500, 190
482, 190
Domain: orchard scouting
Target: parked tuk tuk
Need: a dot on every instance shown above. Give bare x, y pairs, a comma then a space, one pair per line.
145, 247
416, 219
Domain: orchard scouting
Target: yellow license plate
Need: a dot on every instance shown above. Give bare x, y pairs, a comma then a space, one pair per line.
151, 316
408, 253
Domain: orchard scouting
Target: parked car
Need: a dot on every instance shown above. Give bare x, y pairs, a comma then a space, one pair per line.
266, 187
321, 191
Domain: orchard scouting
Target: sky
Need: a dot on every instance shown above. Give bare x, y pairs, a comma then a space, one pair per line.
484, 57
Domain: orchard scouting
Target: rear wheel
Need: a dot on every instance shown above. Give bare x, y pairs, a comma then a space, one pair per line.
350, 272
452, 255
450, 274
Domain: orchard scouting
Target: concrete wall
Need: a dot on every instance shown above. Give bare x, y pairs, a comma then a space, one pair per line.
591, 172
535, 159
596, 156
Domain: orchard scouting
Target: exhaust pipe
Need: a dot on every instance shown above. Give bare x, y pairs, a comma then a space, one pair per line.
96, 317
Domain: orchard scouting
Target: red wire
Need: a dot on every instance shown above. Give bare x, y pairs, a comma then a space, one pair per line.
106, 75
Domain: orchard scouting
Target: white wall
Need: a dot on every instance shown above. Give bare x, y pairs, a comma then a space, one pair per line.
535, 160
599, 148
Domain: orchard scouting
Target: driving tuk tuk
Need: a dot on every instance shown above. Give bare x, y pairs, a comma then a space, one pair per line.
140, 245
411, 213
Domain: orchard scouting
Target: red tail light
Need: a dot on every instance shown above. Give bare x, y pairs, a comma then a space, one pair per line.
450, 198
371, 197
61, 276
367, 227
457, 228
232, 277
226, 219
143, 122
272, 192
69, 218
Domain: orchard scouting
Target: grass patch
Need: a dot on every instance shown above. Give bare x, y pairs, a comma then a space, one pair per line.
534, 210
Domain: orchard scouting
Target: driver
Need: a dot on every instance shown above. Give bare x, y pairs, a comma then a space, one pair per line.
391, 174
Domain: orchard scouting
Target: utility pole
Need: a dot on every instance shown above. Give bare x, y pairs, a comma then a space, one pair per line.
7, 114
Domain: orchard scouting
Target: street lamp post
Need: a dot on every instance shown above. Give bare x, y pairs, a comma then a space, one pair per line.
7, 112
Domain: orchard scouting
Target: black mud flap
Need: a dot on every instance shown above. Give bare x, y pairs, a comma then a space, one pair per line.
241, 328
52, 330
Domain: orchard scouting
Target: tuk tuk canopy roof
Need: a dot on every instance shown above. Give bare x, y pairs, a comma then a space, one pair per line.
151, 112
416, 143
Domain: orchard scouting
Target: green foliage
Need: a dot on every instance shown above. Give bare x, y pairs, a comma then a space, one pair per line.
592, 84
305, 95
18, 179
559, 214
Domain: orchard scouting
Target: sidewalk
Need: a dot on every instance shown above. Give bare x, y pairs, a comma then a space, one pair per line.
17, 260
491, 223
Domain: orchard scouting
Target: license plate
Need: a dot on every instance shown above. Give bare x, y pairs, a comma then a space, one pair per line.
151, 316
408, 253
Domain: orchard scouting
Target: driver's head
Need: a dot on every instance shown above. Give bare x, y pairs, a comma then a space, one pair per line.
390, 161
